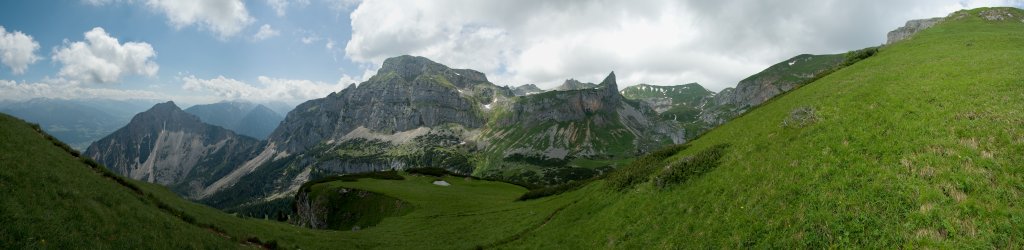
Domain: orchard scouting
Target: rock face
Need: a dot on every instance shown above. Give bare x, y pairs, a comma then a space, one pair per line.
763, 86
587, 123
911, 28
167, 146
573, 84
527, 89
407, 93
246, 118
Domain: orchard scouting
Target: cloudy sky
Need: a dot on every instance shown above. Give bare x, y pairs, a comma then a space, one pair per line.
202, 51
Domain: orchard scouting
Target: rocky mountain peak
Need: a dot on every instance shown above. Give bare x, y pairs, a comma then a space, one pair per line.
911, 28
609, 82
409, 68
167, 107
573, 84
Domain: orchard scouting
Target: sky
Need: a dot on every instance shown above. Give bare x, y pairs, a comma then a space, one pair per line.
204, 51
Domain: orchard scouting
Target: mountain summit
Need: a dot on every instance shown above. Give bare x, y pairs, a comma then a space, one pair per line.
168, 146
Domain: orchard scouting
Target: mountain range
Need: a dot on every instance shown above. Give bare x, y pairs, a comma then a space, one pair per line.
242, 117
913, 144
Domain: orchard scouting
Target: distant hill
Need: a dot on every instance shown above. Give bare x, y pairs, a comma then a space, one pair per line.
255, 120
77, 122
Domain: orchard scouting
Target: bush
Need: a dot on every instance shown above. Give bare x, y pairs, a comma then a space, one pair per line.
858, 55
800, 117
382, 175
433, 171
553, 190
641, 169
690, 167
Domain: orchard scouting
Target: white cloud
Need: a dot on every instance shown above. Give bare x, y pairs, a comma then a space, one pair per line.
281, 6
225, 18
330, 44
11, 90
716, 43
265, 32
102, 59
17, 50
269, 89
309, 39
342, 5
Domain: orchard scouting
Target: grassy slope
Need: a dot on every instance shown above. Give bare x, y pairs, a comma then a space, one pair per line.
52, 200
918, 146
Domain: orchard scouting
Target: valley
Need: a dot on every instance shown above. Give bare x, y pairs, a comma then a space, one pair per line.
916, 143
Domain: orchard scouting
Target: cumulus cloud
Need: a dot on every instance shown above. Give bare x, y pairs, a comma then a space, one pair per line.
103, 59
265, 32
12, 90
716, 43
281, 6
225, 18
17, 50
269, 88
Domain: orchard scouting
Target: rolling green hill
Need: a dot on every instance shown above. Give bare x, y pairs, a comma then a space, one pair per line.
918, 146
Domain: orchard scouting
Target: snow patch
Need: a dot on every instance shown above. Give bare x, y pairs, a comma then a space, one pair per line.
791, 63
442, 183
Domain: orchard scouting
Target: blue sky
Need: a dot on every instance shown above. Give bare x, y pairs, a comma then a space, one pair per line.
203, 51
299, 50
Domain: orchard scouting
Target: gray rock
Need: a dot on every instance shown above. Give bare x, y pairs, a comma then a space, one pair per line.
910, 28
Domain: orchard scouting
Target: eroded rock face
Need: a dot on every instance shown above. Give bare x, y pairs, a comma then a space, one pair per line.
167, 146
560, 106
407, 93
911, 28
527, 89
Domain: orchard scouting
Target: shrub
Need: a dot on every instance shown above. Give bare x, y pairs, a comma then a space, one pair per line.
690, 167
641, 169
432, 171
553, 190
800, 117
858, 55
382, 175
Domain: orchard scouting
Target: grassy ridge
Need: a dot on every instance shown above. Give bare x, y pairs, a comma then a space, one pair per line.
919, 146
53, 200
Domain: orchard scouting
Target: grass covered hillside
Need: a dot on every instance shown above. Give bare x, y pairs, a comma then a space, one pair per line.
918, 146
51, 199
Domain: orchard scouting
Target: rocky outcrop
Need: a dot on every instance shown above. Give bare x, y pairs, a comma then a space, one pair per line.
527, 89
573, 84
167, 146
767, 84
585, 123
563, 106
910, 28
407, 93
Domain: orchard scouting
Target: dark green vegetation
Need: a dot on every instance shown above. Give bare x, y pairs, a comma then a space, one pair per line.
917, 146
322, 207
689, 167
